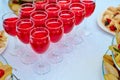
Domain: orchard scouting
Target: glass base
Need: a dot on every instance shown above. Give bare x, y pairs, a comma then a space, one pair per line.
28, 58
41, 68
55, 57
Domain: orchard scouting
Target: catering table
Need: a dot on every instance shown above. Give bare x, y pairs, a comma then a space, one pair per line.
83, 63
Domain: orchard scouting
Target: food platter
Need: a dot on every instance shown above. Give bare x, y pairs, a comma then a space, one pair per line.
101, 25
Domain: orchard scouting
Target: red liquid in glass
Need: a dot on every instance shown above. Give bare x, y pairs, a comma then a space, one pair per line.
68, 22
40, 5
79, 14
55, 32
64, 4
52, 11
9, 25
25, 12
39, 41
23, 32
39, 19
89, 7
75, 1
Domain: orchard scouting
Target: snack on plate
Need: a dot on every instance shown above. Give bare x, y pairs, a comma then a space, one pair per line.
111, 18
3, 39
115, 48
5, 72
112, 72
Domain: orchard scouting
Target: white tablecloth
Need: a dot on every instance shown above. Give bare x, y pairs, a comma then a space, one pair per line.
83, 63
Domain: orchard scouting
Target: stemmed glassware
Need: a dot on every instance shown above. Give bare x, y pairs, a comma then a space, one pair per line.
52, 9
89, 8
9, 25
79, 11
23, 28
64, 4
25, 10
40, 41
40, 4
39, 18
68, 19
55, 27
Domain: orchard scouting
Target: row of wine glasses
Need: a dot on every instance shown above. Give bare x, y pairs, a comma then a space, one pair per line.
43, 24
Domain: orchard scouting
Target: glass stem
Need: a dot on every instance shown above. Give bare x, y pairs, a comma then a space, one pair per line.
15, 43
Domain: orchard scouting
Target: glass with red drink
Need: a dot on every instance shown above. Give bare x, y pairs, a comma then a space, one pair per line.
68, 19
9, 25
26, 9
52, 9
40, 4
89, 9
79, 11
39, 18
40, 41
64, 4
55, 27
24, 26
89, 6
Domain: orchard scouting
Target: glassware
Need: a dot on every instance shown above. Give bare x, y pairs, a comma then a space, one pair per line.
79, 11
9, 25
52, 9
64, 4
40, 41
68, 19
89, 8
24, 26
40, 4
39, 18
25, 10
55, 27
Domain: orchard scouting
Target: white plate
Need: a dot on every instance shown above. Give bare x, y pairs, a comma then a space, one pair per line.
101, 25
3, 49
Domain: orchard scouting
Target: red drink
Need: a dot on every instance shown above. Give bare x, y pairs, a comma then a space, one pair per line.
89, 7
79, 11
40, 4
9, 25
52, 10
75, 1
55, 27
26, 10
64, 4
68, 19
39, 18
52, 1
39, 39
24, 27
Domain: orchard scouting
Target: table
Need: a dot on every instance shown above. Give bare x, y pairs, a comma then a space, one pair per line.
83, 63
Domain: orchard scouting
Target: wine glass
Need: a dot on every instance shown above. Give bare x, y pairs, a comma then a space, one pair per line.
39, 18
55, 27
40, 4
64, 4
26, 9
9, 25
40, 41
89, 9
68, 19
79, 11
24, 26
52, 9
